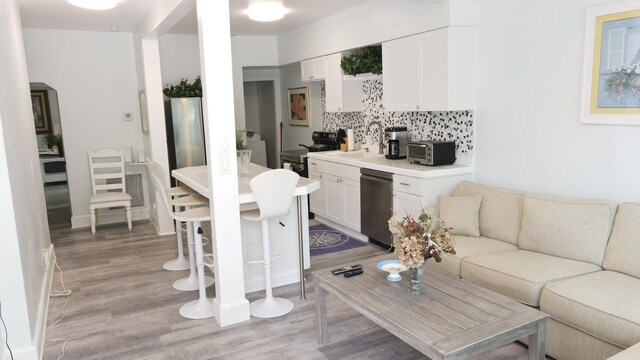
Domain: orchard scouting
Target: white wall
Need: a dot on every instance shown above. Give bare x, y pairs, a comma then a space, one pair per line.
179, 58
293, 135
24, 278
95, 76
528, 106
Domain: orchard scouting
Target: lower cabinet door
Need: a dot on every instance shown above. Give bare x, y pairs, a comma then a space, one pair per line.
403, 202
352, 204
334, 196
318, 202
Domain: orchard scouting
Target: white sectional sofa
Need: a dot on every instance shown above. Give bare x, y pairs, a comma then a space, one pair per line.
576, 259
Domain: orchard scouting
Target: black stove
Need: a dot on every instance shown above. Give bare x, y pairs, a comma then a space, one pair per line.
322, 141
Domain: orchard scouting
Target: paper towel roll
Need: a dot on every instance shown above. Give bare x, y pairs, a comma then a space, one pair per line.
351, 140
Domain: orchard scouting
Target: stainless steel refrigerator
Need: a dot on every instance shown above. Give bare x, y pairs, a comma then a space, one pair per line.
185, 133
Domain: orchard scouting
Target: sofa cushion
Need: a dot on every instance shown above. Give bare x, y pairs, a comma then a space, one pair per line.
467, 246
460, 213
623, 250
500, 212
603, 304
521, 274
572, 228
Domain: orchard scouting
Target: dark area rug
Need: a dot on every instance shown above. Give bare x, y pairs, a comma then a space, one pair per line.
325, 240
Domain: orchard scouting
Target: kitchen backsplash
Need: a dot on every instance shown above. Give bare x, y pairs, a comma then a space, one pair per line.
422, 125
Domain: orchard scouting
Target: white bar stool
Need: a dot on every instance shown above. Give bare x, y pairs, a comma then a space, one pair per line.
181, 262
203, 307
273, 191
190, 282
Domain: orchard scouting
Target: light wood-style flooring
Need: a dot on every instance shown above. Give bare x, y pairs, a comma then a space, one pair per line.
123, 307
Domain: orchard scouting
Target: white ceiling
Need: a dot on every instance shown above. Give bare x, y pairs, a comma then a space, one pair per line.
58, 14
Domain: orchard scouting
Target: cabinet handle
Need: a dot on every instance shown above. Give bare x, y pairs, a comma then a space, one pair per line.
313, 163
311, 77
339, 109
405, 184
320, 176
417, 107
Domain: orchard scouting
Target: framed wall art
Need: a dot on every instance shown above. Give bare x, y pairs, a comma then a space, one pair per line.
299, 109
611, 74
41, 113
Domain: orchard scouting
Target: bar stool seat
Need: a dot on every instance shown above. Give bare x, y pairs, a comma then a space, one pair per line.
190, 282
273, 191
201, 308
181, 262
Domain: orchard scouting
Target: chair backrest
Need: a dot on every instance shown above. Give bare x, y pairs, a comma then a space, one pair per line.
273, 191
107, 170
159, 179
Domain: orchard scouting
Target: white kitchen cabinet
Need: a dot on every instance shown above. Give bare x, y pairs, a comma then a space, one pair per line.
313, 69
338, 199
318, 203
343, 93
412, 193
400, 74
432, 71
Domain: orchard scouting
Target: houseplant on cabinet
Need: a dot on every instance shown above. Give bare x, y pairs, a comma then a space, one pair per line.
364, 61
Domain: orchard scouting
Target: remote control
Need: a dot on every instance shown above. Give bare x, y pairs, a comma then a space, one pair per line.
353, 273
345, 269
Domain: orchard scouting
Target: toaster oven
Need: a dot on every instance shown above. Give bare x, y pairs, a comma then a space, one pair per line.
432, 153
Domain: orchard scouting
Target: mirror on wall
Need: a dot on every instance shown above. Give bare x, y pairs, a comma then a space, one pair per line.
48, 132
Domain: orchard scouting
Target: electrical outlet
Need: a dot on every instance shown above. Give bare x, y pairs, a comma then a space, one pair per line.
128, 116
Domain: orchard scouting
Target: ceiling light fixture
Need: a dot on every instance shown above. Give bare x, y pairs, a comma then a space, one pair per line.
94, 4
266, 11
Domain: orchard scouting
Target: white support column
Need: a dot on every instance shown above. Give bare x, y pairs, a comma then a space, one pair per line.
230, 304
155, 109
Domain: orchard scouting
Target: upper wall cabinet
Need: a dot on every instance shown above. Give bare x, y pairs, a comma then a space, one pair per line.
432, 71
343, 94
313, 69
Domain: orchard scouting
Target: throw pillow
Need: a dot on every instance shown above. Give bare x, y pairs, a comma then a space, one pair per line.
461, 213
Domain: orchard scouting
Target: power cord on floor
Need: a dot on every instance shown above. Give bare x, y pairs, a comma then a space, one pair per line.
60, 293
6, 333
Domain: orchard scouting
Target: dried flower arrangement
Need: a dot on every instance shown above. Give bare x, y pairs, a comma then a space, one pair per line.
418, 240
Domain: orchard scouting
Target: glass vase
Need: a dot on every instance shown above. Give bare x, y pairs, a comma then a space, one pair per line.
415, 275
244, 158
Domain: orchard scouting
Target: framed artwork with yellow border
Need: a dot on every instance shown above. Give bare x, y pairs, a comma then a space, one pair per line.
611, 74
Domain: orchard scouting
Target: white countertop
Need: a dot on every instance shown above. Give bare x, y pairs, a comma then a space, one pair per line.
197, 177
376, 161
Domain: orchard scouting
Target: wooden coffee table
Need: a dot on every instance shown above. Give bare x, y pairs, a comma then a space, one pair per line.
453, 319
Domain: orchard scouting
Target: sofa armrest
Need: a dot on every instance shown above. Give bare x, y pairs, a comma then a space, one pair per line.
632, 353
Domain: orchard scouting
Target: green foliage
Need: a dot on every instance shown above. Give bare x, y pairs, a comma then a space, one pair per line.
51, 140
241, 143
365, 60
184, 89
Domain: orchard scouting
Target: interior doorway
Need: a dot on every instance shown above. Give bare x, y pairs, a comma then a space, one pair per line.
48, 132
260, 116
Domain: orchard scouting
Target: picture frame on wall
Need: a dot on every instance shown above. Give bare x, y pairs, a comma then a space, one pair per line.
41, 112
144, 116
299, 106
611, 73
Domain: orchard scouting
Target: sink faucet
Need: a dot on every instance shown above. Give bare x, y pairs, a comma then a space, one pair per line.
380, 135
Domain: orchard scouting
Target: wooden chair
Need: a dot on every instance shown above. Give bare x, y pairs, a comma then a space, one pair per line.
108, 183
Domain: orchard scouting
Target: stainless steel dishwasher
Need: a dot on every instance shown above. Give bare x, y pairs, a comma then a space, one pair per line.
376, 207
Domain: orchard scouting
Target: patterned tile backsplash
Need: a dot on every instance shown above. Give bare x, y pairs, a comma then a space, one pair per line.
422, 125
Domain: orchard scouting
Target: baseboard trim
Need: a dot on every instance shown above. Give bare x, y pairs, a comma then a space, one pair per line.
232, 313
110, 217
43, 308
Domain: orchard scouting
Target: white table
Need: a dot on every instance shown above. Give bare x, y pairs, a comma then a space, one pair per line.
197, 177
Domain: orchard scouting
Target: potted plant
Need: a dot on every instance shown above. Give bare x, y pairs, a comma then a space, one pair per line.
184, 89
242, 152
53, 142
365, 60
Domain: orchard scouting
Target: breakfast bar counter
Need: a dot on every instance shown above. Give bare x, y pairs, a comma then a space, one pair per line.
289, 234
